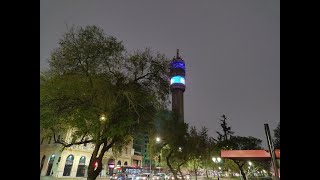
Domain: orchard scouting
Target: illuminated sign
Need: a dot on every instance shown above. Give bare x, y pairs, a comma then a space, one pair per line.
178, 80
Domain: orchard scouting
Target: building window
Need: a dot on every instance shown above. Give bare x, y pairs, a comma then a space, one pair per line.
126, 150
68, 165
42, 162
50, 164
81, 167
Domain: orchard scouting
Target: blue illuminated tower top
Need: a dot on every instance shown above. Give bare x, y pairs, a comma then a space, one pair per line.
177, 85
177, 73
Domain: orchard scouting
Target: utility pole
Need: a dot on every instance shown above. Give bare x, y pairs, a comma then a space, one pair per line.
272, 151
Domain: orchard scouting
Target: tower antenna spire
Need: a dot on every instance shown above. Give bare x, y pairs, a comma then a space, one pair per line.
178, 57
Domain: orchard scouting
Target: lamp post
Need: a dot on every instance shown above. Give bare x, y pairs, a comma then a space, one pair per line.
251, 168
158, 141
217, 160
103, 120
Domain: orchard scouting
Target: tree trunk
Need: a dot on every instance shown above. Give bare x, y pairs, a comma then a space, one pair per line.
180, 169
195, 169
169, 165
243, 174
213, 172
241, 170
95, 158
93, 174
180, 172
207, 173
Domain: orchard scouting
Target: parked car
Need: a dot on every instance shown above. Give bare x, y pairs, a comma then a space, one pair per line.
118, 177
143, 177
131, 176
186, 177
159, 176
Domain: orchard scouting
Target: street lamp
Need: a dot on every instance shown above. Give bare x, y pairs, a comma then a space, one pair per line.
217, 160
103, 118
251, 168
158, 140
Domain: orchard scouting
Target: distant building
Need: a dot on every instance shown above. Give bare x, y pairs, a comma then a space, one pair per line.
140, 145
74, 161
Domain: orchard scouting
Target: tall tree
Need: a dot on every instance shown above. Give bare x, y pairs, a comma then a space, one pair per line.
241, 143
100, 92
277, 137
195, 155
227, 141
227, 133
174, 148
201, 150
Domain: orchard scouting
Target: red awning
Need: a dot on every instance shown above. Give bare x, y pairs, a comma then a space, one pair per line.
248, 154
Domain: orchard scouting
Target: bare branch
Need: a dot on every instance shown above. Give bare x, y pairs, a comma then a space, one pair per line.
75, 143
65, 144
107, 147
83, 136
141, 77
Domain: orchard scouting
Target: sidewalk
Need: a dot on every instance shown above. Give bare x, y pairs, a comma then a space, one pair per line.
66, 178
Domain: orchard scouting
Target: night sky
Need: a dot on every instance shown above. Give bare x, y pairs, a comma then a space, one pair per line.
231, 49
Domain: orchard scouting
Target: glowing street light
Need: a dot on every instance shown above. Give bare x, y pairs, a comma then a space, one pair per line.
103, 118
158, 140
217, 160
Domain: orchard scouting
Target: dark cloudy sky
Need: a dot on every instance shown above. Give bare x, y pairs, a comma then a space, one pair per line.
231, 49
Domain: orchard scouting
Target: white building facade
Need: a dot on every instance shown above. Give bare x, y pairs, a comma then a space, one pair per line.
73, 161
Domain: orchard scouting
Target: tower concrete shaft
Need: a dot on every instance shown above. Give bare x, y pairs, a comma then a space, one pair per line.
177, 85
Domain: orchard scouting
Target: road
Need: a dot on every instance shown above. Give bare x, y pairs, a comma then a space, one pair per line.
107, 178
